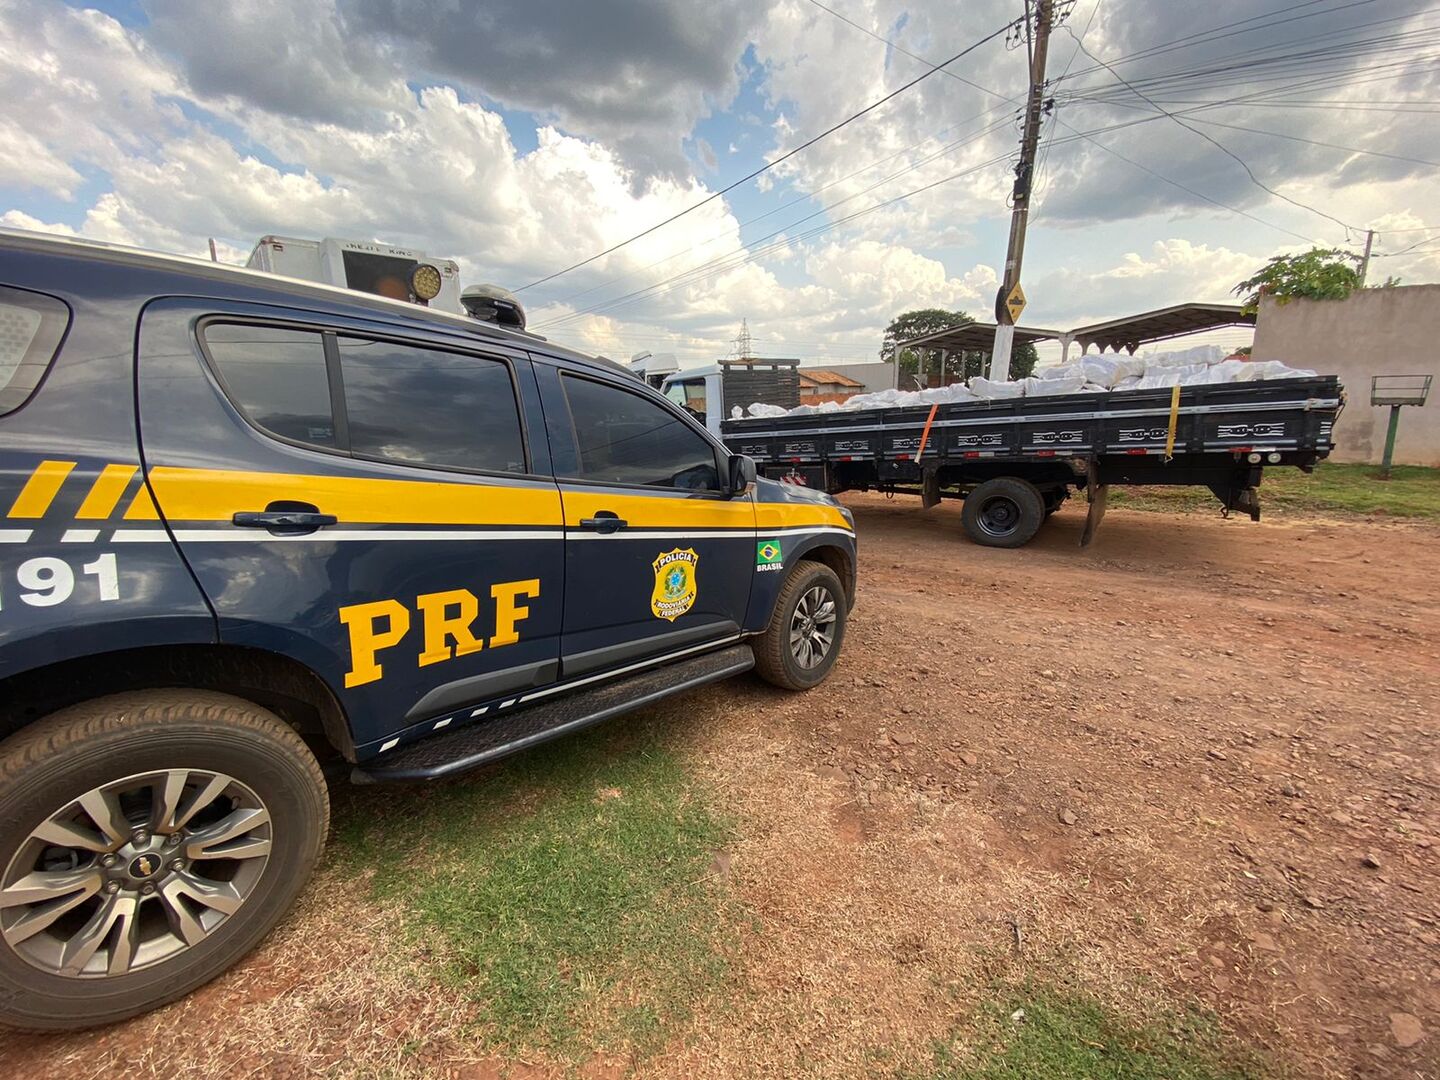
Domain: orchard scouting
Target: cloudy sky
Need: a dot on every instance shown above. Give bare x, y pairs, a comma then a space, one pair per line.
522, 137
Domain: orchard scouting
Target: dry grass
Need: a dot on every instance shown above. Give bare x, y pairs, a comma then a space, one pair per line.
329, 993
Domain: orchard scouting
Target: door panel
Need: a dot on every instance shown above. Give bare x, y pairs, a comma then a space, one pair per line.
433, 588
618, 601
650, 570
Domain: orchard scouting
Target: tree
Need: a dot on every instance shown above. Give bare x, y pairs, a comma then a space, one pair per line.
1318, 274
957, 367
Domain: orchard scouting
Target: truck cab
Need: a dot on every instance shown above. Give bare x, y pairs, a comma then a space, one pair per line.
710, 393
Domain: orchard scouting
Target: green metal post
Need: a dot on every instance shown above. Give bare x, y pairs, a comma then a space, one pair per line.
1390, 442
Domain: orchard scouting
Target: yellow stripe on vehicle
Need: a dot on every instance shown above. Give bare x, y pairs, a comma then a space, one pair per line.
660, 511
216, 494
664, 511
142, 506
769, 516
40, 490
106, 491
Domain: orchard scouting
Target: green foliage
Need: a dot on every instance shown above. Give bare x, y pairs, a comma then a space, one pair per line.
566, 894
1317, 274
1064, 1036
958, 367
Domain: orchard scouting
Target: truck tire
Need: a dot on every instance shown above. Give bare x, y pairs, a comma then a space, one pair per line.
1005, 512
148, 841
806, 631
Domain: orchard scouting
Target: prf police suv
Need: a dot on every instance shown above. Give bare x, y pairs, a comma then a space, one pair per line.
253, 527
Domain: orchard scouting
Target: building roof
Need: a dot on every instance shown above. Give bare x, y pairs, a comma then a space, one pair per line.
1127, 333
977, 337
1133, 331
826, 377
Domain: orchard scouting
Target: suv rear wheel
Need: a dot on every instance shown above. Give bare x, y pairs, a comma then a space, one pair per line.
806, 629
147, 842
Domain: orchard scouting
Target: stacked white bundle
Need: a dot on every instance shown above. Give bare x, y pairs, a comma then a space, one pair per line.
1201, 365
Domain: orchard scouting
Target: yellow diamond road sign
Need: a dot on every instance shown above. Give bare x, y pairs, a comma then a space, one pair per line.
1015, 302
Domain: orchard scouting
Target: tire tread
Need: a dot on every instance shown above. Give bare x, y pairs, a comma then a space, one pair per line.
38, 748
772, 648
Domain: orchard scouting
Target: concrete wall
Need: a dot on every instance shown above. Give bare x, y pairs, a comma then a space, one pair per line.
874, 376
1374, 332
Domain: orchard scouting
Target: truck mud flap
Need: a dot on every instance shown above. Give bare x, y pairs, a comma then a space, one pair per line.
1098, 495
930, 489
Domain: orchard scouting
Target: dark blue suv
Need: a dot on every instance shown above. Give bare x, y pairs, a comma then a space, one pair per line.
254, 529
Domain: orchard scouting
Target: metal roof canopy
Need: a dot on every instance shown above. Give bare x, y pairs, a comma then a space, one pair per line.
977, 337
1128, 333
1133, 331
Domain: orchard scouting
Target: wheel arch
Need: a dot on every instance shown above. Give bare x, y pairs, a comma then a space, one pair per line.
273, 681
837, 558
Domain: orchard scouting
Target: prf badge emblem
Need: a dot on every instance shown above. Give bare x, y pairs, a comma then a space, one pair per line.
674, 583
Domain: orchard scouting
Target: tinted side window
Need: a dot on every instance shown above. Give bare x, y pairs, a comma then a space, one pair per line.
31, 326
624, 439
277, 378
425, 407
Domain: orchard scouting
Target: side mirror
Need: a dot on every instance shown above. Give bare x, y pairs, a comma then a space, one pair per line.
742, 474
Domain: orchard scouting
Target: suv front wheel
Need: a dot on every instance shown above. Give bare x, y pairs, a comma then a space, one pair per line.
806, 629
147, 842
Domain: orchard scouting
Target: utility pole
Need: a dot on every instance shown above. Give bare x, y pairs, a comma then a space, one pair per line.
1039, 40
1365, 262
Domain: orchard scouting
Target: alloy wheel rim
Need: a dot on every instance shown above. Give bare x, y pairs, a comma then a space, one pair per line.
812, 627
134, 872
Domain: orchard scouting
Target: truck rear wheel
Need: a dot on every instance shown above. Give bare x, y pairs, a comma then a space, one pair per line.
806, 629
1005, 512
150, 840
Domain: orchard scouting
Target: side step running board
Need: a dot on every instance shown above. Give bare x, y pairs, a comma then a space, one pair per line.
490, 739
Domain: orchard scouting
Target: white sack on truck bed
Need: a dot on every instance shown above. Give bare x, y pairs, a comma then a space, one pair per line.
1203, 365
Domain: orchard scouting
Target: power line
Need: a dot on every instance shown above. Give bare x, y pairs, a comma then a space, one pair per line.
696, 274
806, 197
1403, 251
746, 254
1045, 156
1198, 194
1340, 56
771, 164
1210, 139
1201, 37
1318, 142
1096, 142
724, 264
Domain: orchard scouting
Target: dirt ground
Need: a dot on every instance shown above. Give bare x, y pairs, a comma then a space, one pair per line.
1196, 763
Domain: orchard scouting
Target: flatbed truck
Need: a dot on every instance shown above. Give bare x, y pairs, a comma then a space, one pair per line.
1014, 462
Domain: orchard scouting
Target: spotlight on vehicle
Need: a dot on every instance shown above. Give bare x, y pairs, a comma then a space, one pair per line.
425, 281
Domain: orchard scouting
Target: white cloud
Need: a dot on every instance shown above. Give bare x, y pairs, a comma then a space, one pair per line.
270, 117
76, 88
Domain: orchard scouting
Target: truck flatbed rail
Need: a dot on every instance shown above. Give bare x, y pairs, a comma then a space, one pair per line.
1217, 435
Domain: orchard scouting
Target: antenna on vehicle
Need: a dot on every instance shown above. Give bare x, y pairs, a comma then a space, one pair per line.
213, 256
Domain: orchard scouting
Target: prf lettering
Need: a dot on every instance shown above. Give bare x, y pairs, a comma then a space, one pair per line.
447, 623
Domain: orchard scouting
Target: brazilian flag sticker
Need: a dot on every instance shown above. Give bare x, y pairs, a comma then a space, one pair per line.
768, 556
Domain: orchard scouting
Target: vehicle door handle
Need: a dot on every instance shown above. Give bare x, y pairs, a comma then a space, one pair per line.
284, 517
604, 521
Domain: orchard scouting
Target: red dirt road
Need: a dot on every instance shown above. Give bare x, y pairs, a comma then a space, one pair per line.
1196, 763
